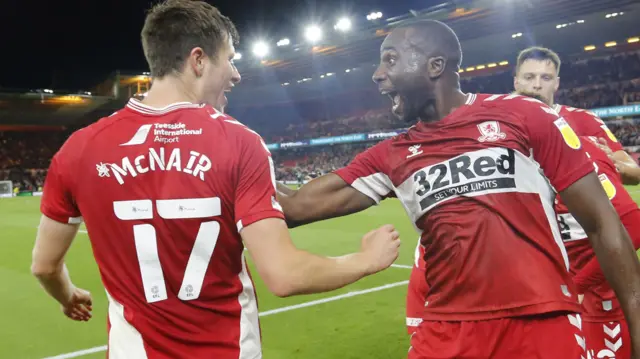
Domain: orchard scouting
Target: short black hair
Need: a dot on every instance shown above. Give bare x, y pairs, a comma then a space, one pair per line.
173, 28
539, 54
440, 39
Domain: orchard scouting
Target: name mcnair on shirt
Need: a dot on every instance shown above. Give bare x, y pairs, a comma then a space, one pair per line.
189, 162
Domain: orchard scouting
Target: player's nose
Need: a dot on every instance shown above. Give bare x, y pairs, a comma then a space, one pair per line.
379, 75
537, 83
235, 75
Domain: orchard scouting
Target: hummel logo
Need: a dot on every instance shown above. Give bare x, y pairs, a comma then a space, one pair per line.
415, 150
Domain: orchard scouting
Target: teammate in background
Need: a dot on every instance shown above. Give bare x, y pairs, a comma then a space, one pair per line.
170, 189
537, 72
475, 175
604, 326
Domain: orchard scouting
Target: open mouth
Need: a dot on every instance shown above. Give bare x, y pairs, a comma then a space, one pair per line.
396, 101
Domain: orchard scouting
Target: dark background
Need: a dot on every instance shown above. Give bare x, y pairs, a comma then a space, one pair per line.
75, 44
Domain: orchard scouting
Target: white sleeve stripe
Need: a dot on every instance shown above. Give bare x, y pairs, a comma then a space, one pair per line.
75, 220
375, 186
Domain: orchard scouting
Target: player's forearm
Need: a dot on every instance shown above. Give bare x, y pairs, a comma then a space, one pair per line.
591, 273
56, 283
309, 274
283, 189
630, 175
325, 197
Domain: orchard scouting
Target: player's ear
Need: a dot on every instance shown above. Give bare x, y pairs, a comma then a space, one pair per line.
557, 86
196, 61
436, 66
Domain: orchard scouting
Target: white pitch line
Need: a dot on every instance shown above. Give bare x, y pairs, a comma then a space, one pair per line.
401, 266
80, 353
99, 349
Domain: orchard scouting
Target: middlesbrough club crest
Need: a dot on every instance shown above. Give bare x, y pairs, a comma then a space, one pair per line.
490, 131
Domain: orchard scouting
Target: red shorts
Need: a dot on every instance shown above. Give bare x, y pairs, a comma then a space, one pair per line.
608, 339
416, 296
549, 337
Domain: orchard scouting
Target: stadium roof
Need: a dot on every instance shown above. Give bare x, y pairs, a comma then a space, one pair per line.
478, 24
492, 31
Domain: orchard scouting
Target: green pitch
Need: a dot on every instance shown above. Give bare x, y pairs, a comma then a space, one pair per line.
369, 323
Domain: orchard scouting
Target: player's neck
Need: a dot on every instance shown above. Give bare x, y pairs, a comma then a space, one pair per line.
167, 91
446, 101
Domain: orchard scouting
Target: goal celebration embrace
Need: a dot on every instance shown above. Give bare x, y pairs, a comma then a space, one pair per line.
390, 186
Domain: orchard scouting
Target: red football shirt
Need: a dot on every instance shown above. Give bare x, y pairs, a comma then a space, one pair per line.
478, 187
586, 123
600, 301
164, 194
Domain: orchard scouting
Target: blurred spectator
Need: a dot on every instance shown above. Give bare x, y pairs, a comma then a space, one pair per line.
588, 83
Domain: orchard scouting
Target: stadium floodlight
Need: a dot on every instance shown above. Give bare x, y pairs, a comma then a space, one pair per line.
633, 40
347, 70
260, 49
344, 24
589, 48
374, 16
330, 73
48, 91
519, 34
580, 21
283, 42
493, 64
313, 33
503, 63
237, 56
610, 44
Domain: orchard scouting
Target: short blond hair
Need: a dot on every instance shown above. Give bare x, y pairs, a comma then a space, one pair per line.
539, 54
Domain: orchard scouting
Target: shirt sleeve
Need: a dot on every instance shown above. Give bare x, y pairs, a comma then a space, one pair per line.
594, 126
555, 146
255, 196
57, 197
366, 173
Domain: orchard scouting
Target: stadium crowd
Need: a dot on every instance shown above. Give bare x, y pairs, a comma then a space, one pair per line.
605, 81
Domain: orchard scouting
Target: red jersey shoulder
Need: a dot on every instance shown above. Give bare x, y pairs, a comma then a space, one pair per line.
521, 106
586, 123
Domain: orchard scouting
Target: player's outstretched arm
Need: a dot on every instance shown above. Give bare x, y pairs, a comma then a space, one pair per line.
288, 271
626, 165
52, 243
629, 170
325, 197
591, 207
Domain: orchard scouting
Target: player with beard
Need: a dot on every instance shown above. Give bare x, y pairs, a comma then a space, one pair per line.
537, 72
477, 176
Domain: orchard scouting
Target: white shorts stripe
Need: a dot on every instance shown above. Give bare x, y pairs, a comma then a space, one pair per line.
125, 342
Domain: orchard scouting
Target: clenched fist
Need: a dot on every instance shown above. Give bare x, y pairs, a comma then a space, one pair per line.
380, 247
